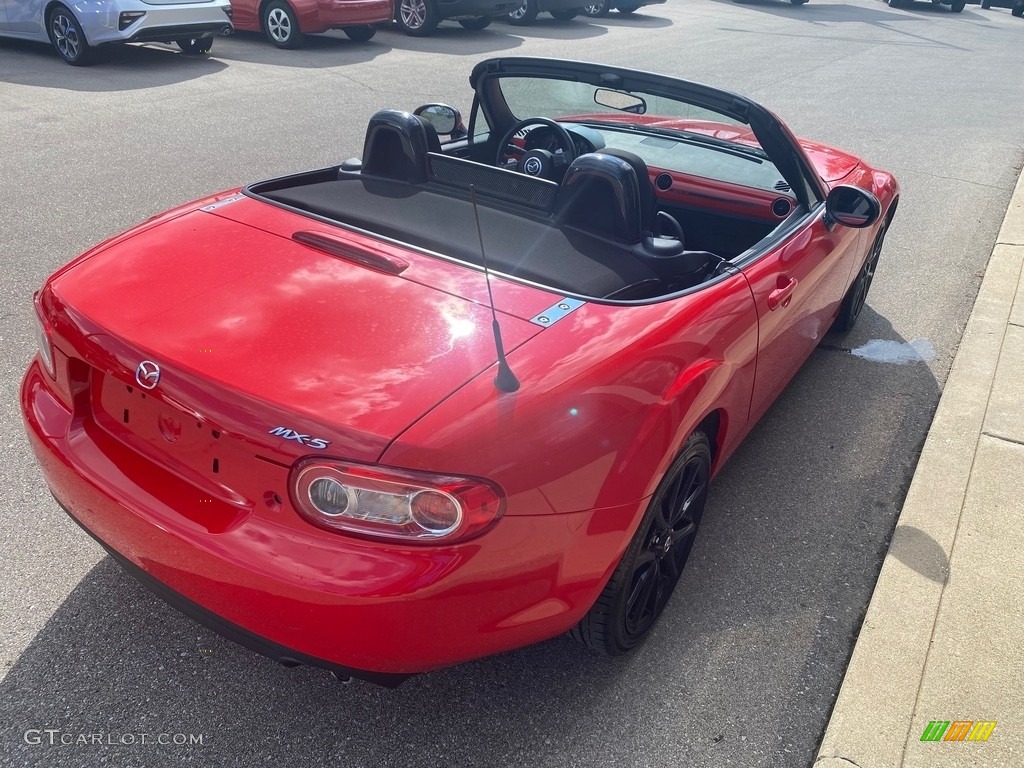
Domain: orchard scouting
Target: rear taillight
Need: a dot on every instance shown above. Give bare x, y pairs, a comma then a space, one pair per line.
394, 504
43, 342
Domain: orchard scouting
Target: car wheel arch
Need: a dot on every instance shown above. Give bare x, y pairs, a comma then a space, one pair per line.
70, 5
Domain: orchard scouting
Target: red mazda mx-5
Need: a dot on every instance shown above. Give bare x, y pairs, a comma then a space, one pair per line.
451, 398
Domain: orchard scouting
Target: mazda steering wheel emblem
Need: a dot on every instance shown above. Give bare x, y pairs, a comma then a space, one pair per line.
147, 374
532, 166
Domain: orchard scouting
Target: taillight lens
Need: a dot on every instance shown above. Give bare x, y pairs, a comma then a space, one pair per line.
44, 344
395, 504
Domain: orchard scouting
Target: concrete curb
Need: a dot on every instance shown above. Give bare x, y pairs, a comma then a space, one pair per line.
873, 721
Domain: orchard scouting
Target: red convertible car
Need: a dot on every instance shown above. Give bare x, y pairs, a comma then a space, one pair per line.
450, 399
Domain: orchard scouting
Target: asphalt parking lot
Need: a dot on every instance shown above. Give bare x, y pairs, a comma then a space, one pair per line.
748, 658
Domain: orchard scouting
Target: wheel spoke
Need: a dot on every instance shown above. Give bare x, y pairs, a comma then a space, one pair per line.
639, 607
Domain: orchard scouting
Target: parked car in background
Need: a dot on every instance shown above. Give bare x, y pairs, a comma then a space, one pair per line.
420, 18
956, 6
1016, 6
287, 22
77, 29
563, 10
600, 8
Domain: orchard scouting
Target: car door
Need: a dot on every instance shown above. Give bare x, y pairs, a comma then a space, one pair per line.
797, 286
25, 16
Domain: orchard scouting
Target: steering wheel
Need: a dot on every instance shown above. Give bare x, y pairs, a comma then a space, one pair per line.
536, 162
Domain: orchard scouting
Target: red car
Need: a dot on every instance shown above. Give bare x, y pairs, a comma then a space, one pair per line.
451, 399
286, 22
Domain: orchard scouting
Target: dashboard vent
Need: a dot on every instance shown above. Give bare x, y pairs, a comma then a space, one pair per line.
782, 186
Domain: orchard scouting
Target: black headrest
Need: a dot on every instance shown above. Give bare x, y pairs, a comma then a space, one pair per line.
396, 146
601, 194
648, 197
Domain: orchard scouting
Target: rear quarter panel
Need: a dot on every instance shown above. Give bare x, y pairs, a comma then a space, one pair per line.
608, 395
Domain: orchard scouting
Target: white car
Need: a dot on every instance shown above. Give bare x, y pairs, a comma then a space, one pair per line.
77, 27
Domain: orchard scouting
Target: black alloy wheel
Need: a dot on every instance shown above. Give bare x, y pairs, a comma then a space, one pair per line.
855, 298
642, 583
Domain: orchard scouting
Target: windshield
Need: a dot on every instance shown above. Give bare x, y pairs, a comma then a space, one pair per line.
583, 102
668, 133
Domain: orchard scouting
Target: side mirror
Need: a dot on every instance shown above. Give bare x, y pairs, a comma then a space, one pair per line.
447, 121
852, 207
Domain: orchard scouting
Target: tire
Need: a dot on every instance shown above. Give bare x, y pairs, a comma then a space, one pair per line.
195, 45
481, 22
895, 3
360, 34
68, 38
524, 14
417, 18
1018, 9
568, 15
855, 298
958, 6
598, 9
642, 583
281, 26
627, 10
986, 4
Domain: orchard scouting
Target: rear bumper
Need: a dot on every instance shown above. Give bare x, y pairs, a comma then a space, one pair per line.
160, 23
298, 594
336, 14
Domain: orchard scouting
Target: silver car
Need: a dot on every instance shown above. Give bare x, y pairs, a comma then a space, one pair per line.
77, 27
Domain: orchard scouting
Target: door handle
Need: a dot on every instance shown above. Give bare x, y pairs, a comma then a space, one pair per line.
782, 295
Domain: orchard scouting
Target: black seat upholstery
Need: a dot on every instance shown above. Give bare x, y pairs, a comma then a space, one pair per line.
396, 146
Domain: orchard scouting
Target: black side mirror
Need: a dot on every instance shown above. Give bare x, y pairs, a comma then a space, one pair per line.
852, 207
447, 121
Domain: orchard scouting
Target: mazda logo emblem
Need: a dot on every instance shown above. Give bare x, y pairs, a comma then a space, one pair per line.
147, 374
532, 166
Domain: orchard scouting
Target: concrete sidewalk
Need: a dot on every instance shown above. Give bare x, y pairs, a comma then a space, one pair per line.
943, 638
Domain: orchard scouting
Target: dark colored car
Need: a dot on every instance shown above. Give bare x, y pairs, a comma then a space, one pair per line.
954, 5
600, 8
420, 18
1016, 8
563, 10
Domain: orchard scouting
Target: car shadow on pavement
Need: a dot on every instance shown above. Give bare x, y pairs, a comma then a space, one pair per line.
639, 20
796, 528
843, 12
579, 28
330, 49
452, 40
117, 68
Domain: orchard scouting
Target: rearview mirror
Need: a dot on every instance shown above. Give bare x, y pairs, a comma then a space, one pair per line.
621, 101
852, 207
447, 121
